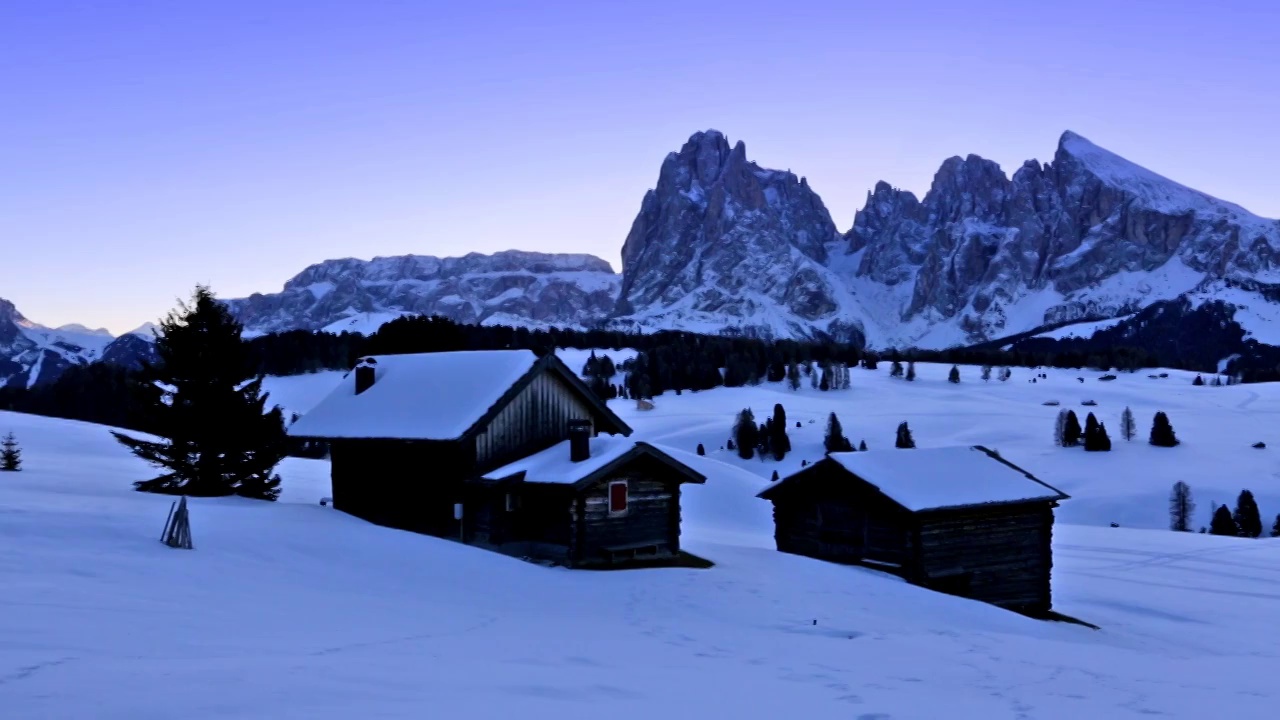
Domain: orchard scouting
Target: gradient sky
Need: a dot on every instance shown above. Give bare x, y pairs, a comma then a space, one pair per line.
148, 146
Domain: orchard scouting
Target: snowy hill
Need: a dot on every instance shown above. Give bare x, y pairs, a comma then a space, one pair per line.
295, 610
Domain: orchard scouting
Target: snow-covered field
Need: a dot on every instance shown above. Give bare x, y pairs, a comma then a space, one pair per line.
292, 610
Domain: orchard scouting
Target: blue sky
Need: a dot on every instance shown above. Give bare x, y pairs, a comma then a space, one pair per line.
148, 146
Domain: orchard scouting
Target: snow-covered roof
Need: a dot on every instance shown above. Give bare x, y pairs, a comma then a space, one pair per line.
553, 465
426, 396
947, 477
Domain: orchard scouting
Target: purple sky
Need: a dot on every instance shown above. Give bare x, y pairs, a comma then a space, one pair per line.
147, 146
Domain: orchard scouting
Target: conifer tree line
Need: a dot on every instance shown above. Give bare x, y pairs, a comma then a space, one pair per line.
669, 361
1244, 521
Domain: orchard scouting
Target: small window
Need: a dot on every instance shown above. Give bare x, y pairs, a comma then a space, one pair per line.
617, 497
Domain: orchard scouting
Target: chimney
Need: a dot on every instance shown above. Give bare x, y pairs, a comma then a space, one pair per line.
579, 440
364, 374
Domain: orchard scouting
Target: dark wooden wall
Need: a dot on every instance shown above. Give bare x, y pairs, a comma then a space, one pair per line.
536, 418
652, 520
1000, 555
828, 516
403, 484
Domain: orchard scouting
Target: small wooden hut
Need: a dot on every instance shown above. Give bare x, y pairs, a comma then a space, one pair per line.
960, 520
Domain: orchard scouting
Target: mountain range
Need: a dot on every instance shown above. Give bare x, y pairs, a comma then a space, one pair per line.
721, 245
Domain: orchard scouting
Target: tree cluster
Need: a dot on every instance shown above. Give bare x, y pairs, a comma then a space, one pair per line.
1244, 521
768, 439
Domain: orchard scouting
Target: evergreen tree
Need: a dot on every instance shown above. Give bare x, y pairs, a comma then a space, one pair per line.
779, 442
1198, 381
904, 440
1103, 440
701, 450
1246, 515
217, 437
825, 383
764, 438
793, 376
1071, 433
1162, 432
986, 372
1095, 435
1060, 428
896, 370
835, 441
744, 434
862, 446
1128, 428
774, 477
954, 375
1223, 523
1181, 507
911, 370
1275, 527
813, 378
1006, 374
10, 453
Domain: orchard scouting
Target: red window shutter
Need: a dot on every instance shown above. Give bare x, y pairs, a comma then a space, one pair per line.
617, 497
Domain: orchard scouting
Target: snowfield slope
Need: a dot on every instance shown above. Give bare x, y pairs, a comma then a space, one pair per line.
292, 610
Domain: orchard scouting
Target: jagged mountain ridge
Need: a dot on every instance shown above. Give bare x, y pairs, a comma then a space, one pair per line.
982, 255
1087, 235
512, 288
32, 354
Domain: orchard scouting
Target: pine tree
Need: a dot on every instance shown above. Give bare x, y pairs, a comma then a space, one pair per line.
825, 383
1198, 381
862, 446
780, 443
764, 438
1128, 428
1275, 527
1162, 432
835, 441
1103, 440
954, 375
744, 434
813, 378
1071, 433
1223, 523
896, 370
1246, 515
793, 376
911, 370
1006, 374
1181, 507
904, 440
10, 454
774, 477
1060, 428
218, 438
701, 450
986, 372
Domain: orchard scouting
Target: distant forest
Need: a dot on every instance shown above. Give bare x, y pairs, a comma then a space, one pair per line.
667, 361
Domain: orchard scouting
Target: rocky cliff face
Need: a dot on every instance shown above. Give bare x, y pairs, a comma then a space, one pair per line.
1088, 235
512, 288
723, 243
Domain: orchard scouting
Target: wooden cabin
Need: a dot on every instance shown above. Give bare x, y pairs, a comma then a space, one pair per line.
585, 502
477, 445
960, 520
